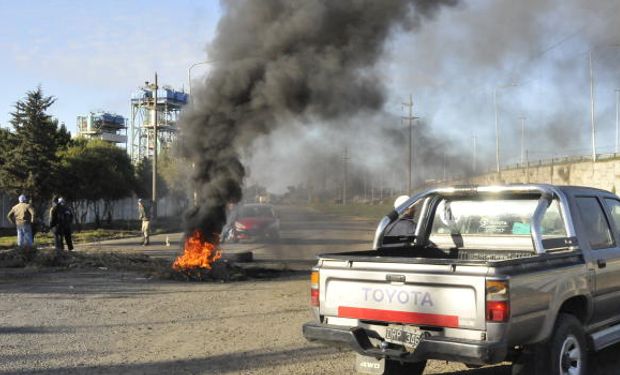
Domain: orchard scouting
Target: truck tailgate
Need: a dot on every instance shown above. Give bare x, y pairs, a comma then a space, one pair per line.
417, 294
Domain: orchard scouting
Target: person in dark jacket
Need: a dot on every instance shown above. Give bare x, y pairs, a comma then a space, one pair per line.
61, 218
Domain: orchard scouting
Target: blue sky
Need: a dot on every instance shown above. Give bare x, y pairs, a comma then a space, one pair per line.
92, 55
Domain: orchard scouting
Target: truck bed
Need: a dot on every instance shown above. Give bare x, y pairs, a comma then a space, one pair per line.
492, 258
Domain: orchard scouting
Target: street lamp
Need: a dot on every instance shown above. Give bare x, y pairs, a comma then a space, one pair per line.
617, 117
153, 87
189, 87
592, 123
189, 74
411, 117
522, 118
497, 119
474, 151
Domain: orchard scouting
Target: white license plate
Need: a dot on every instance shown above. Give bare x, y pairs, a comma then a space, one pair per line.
369, 365
409, 337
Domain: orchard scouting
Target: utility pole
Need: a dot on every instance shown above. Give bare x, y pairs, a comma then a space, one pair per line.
496, 131
513, 84
474, 154
345, 160
154, 89
381, 183
617, 118
592, 125
410, 118
444, 166
522, 118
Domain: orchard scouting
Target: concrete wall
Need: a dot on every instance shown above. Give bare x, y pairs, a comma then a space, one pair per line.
125, 209
604, 174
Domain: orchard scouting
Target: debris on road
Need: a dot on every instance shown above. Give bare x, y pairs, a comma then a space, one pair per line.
224, 270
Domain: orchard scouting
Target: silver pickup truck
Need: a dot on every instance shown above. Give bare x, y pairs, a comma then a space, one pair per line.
479, 275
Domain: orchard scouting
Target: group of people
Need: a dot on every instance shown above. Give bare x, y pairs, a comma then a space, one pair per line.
23, 216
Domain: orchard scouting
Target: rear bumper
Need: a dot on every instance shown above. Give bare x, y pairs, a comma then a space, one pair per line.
457, 350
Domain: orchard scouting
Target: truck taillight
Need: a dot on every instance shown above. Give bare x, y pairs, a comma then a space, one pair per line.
497, 301
314, 289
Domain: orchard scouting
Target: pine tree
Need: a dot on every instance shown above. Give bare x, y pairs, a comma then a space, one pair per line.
29, 152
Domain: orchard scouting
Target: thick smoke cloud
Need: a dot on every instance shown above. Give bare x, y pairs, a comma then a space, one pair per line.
280, 61
454, 64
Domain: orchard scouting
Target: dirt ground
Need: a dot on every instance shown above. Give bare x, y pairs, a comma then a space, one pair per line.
99, 320
110, 322
107, 322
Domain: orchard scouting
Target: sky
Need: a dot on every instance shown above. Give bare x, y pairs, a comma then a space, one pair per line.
533, 54
91, 55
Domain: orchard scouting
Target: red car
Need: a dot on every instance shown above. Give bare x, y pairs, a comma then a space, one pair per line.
256, 221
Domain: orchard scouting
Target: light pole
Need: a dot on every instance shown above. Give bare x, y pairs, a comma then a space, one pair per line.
617, 117
189, 88
592, 125
522, 118
189, 75
154, 89
497, 120
411, 117
592, 122
474, 156
345, 160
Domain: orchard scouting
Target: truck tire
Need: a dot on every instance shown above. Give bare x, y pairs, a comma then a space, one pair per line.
554, 358
395, 367
568, 349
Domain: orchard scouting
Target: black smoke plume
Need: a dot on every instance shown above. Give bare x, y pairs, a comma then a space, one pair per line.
279, 60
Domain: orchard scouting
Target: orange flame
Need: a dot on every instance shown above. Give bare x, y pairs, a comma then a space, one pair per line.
197, 253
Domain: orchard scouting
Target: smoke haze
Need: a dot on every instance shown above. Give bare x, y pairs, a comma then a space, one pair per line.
282, 61
295, 82
533, 54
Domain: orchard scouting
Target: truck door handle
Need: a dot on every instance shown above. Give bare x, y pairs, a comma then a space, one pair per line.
601, 263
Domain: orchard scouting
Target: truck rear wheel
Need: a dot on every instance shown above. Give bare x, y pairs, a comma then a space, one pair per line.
394, 367
569, 354
565, 353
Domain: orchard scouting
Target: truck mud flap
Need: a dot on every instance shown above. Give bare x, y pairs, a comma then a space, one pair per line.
357, 338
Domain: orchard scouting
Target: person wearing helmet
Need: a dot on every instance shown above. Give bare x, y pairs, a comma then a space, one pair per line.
22, 215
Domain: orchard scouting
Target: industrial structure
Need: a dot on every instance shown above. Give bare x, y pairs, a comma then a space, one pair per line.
101, 125
142, 121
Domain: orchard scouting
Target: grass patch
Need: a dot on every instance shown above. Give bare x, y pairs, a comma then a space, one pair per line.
114, 230
363, 210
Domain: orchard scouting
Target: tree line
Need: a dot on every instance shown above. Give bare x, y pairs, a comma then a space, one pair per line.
39, 158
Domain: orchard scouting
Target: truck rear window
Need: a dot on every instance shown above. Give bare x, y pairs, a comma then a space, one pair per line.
505, 217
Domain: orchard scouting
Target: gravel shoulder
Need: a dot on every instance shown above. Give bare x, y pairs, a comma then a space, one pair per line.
109, 322
98, 319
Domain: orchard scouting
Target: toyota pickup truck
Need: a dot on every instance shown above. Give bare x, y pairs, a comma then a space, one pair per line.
480, 275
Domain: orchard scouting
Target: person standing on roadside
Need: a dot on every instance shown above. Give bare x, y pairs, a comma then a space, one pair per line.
22, 215
145, 216
61, 219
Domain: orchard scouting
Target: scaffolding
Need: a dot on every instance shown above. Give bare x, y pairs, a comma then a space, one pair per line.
102, 125
143, 109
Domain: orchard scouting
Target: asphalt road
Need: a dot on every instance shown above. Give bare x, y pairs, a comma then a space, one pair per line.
303, 235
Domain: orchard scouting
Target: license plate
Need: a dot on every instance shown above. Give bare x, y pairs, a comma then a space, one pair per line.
369, 365
410, 337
